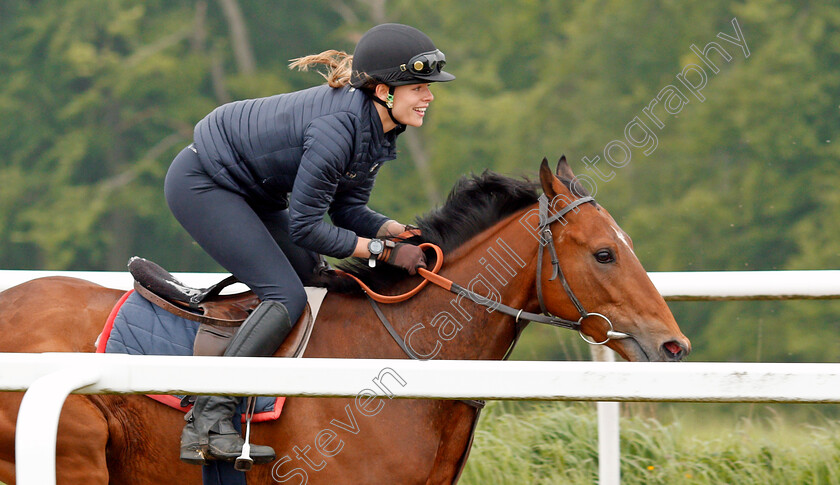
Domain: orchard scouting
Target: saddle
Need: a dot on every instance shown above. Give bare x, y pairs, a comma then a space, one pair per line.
219, 315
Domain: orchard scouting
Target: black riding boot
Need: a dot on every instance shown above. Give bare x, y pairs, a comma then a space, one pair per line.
209, 433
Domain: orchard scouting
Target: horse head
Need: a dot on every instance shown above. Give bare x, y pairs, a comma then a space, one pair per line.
607, 287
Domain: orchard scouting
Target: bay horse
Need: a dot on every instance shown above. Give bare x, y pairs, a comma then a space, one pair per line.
493, 231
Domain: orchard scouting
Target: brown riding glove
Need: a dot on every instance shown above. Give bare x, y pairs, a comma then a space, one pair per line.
406, 256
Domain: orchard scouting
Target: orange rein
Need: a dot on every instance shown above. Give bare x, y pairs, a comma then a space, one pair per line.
428, 275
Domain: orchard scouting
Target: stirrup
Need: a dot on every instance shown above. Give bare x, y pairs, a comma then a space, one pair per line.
244, 462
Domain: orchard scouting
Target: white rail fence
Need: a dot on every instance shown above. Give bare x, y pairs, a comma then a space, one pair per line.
693, 285
49, 378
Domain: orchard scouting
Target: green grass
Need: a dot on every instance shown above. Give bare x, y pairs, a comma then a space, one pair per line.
556, 443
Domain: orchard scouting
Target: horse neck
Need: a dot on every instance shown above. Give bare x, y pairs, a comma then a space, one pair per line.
498, 264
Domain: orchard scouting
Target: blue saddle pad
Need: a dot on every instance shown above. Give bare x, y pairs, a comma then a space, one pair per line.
142, 328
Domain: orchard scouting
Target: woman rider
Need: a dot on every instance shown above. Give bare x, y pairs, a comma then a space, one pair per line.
253, 188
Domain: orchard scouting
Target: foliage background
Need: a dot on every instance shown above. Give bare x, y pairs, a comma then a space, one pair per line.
97, 96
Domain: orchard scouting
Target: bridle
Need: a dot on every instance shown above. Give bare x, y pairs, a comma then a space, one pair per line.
521, 317
547, 239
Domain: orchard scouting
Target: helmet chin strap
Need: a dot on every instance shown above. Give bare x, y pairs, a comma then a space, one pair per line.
389, 105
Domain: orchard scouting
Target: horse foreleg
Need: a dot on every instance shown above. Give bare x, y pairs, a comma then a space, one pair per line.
82, 439
80, 448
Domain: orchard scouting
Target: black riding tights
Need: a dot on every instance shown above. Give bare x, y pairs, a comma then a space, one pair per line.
251, 242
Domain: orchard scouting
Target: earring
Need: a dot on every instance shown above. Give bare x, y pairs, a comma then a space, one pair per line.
390, 101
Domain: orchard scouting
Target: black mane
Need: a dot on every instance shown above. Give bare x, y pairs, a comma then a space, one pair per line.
475, 203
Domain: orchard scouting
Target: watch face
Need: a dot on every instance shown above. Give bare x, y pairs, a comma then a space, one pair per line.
375, 246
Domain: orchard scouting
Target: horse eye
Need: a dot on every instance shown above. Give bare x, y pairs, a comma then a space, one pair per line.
604, 256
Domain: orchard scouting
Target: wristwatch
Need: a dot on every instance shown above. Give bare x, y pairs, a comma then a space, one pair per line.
375, 246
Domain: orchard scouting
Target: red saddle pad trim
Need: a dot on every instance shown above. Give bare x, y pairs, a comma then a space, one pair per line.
102, 341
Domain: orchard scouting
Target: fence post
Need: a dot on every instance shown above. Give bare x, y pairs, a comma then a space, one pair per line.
37, 423
609, 453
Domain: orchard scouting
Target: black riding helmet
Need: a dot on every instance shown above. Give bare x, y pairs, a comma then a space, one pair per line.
396, 54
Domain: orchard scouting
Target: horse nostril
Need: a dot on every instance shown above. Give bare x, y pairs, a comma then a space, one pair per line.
673, 350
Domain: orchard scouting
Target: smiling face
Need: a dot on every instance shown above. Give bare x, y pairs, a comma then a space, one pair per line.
410, 104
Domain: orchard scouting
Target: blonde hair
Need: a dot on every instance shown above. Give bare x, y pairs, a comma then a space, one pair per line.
339, 66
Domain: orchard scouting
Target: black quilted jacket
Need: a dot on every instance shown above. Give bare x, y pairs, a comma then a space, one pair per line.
321, 146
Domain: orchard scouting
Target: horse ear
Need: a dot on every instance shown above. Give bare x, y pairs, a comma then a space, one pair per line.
564, 171
547, 179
